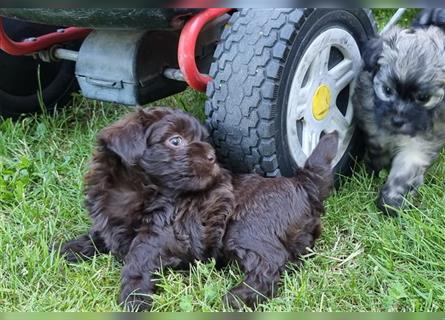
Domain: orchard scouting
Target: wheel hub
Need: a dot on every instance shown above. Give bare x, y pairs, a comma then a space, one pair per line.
321, 102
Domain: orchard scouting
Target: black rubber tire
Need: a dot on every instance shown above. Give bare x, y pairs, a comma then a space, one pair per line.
252, 71
19, 83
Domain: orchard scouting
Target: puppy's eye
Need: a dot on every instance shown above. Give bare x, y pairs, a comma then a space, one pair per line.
387, 90
423, 98
175, 141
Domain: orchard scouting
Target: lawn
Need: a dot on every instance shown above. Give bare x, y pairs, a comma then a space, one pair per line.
364, 261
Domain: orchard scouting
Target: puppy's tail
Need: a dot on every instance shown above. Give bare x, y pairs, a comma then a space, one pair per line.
320, 162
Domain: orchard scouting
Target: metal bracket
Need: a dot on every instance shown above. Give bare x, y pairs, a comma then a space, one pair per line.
394, 19
32, 45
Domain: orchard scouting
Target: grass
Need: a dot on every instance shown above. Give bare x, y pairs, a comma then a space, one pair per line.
382, 16
363, 261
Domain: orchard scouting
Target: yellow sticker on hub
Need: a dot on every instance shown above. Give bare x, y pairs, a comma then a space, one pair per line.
321, 102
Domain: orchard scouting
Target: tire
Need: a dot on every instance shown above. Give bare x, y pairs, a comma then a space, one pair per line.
19, 83
253, 71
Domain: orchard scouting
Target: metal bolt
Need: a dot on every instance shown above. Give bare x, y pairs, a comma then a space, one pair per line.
60, 30
32, 39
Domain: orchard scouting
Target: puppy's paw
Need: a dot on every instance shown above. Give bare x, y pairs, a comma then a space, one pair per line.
389, 203
75, 251
374, 164
241, 296
72, 256
232, 301
135, 301
83, 248
372, 169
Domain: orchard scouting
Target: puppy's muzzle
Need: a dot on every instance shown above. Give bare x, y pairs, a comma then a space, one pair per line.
211, 157
203, 150
397, 121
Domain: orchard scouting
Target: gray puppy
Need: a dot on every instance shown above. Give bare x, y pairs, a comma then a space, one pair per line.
399, 105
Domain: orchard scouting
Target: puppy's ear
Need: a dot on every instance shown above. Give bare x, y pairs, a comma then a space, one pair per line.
430, 17
371, 53
127, 137
124, 138
324, 152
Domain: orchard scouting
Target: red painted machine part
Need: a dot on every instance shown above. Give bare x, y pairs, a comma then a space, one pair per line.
187, 43
39, 43
186, 47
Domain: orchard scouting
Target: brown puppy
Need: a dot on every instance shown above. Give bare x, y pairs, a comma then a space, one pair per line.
157, 197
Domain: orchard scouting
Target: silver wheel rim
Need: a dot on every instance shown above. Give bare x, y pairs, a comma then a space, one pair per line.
314, 70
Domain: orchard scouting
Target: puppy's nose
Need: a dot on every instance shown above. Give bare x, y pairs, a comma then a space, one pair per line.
397, 121
211, 157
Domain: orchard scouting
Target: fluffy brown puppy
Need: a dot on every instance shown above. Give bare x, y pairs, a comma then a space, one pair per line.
158, 198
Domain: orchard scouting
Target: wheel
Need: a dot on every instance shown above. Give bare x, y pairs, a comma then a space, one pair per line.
19, 76
281, 79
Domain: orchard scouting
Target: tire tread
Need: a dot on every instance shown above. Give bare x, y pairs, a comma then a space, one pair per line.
243, 135
246, 72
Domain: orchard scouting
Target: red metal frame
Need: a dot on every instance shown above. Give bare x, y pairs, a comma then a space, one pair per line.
187, 43
186, 47
39, 43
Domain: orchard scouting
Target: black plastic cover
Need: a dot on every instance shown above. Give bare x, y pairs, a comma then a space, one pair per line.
110, 18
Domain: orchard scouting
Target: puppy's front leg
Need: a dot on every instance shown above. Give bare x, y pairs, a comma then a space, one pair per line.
376, 158
148, 253
406, 175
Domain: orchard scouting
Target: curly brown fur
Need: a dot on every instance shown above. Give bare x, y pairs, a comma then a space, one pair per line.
157, 198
